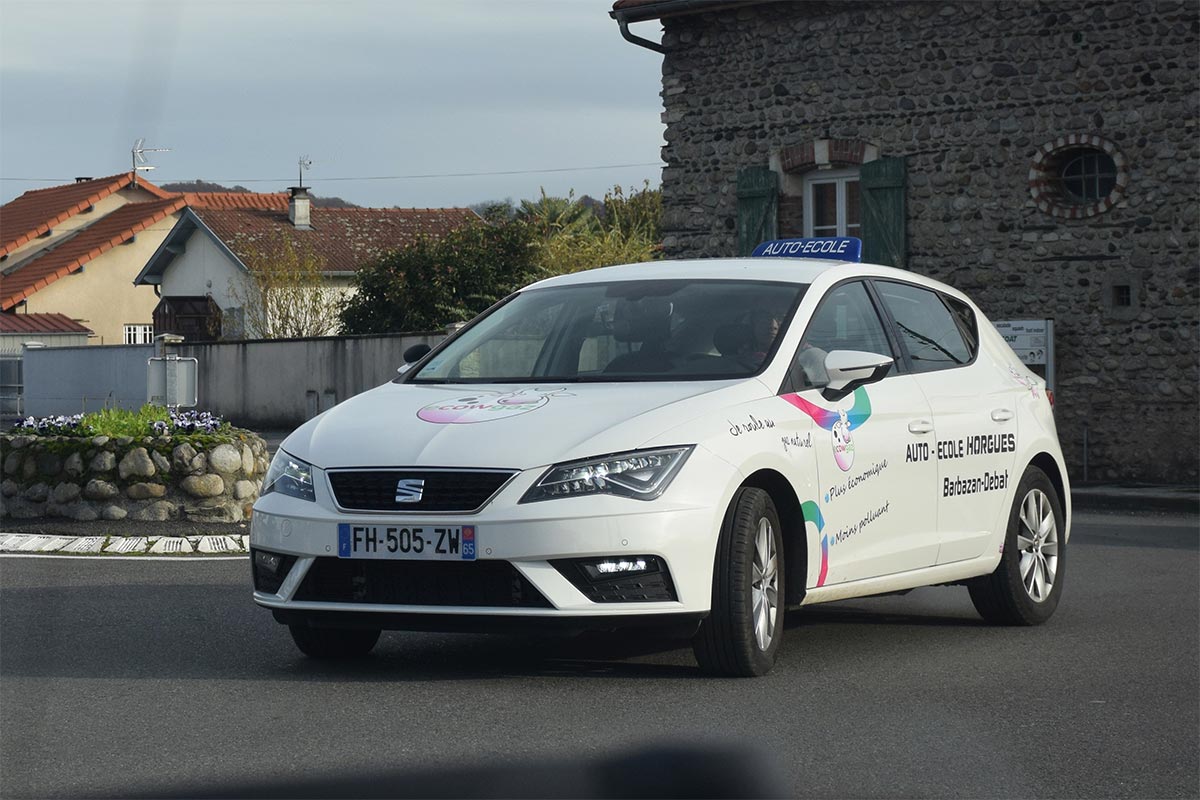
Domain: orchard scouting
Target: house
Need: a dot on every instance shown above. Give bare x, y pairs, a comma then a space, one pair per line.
203, 261
74, 250
1041, 156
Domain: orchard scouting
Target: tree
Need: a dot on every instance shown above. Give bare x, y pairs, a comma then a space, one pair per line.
285, 293
435, 282
625, 229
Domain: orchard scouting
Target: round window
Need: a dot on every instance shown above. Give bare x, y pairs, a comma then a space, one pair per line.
1077, 176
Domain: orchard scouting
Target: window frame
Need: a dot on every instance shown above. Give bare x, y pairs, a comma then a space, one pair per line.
839, 177
894, 329
140, 330
900, 364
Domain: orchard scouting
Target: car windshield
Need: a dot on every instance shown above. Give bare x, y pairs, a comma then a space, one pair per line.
622, 331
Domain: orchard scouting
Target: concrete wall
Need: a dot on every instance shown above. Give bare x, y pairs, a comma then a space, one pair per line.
71, 380
256, 385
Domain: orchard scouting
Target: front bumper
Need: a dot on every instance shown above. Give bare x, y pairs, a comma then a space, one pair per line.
525, 554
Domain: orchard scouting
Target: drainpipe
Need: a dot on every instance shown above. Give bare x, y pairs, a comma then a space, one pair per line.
650, 11
623, 22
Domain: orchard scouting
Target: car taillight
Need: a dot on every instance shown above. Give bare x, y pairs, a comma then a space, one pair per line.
1050, 397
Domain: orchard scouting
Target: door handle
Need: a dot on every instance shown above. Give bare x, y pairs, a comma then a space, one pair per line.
1002, 415
920, 426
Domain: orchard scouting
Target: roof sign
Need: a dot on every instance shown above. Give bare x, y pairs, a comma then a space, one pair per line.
837, 248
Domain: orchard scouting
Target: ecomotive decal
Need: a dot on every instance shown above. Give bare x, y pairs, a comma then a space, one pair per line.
840, 422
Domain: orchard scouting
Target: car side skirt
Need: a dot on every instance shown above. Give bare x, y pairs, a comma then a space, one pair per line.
928, 576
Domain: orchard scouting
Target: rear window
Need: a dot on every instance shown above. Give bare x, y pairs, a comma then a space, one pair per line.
621, 331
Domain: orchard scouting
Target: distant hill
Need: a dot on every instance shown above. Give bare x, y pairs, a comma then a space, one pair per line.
205, 186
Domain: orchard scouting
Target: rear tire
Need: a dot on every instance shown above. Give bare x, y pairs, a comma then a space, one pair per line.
1025, 587
334, 643
742, 633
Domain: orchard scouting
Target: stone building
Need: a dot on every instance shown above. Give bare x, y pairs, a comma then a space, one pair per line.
1042, 157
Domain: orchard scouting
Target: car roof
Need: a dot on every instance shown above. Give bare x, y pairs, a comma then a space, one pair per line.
789, 270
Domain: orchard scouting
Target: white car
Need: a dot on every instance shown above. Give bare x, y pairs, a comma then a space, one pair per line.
694, 444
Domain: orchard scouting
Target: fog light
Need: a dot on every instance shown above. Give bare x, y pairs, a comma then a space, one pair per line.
600, 569
608, 567
268, 561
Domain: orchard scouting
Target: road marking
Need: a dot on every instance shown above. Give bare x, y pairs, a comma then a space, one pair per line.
172, 545
127, 544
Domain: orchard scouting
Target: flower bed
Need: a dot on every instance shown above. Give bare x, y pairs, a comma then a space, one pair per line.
184, 465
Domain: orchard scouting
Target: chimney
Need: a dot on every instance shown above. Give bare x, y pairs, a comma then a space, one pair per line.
299, 207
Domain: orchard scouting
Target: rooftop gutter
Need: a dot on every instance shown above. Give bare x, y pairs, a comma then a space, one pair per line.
664, 8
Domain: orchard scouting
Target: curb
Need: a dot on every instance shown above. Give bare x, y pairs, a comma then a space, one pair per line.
1113, 498
104, 545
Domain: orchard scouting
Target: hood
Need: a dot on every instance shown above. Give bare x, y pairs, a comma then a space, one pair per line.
504, 426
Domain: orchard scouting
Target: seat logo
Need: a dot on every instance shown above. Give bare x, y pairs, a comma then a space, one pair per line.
410, 490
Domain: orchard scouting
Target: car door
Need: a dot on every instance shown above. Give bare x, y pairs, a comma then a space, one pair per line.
874, 510
974, 414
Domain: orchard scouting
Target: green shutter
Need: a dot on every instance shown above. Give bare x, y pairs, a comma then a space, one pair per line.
884, 220
757, 202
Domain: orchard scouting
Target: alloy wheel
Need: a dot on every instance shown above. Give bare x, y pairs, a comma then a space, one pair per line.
1037, 541
765, 584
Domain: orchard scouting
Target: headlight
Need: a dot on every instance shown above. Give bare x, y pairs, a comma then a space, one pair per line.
641, 474
289, 475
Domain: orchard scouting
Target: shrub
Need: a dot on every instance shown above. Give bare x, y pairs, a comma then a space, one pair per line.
149, 420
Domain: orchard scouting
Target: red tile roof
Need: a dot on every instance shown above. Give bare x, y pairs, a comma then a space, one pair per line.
40, 323
75, 251
347, 238
38, 211
277, 201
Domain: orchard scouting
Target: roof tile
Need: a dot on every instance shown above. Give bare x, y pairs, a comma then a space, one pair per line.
73, 252
40, 323
39, 210
346, 238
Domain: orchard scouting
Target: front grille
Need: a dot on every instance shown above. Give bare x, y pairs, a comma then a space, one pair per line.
495, 584
444, 490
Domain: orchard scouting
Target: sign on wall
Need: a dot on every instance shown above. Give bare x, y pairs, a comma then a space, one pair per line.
1033, 342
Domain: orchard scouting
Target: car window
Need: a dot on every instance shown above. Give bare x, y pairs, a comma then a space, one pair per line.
967, 324
927, 328
629, 330
845, 320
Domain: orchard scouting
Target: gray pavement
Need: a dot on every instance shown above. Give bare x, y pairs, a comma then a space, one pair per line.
153, 677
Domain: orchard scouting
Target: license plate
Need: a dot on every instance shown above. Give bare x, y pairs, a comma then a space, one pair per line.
417, 542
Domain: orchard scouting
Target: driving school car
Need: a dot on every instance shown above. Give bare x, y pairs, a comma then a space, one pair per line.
699, 445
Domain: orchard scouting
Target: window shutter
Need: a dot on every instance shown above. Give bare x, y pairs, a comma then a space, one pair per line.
757, 203
884, 220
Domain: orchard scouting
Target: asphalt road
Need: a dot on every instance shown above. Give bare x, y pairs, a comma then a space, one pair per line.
153, 677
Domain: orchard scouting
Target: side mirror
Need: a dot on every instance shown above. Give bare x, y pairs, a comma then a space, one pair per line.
850, 369
416, 353
412, 355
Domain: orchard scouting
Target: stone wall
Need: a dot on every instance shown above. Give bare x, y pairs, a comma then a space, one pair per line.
970, 93
153, 478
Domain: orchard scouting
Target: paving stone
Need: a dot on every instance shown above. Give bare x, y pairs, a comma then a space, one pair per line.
84, 544
126, 544
171, 546
10, 541
56, 543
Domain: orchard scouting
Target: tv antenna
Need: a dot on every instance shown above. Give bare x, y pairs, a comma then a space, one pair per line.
138, 156
305, 163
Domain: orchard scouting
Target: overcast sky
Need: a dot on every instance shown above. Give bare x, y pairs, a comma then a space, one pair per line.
239, 89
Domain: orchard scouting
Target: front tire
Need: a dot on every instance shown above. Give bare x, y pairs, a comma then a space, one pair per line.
334, 643
1027, 584
742, 633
